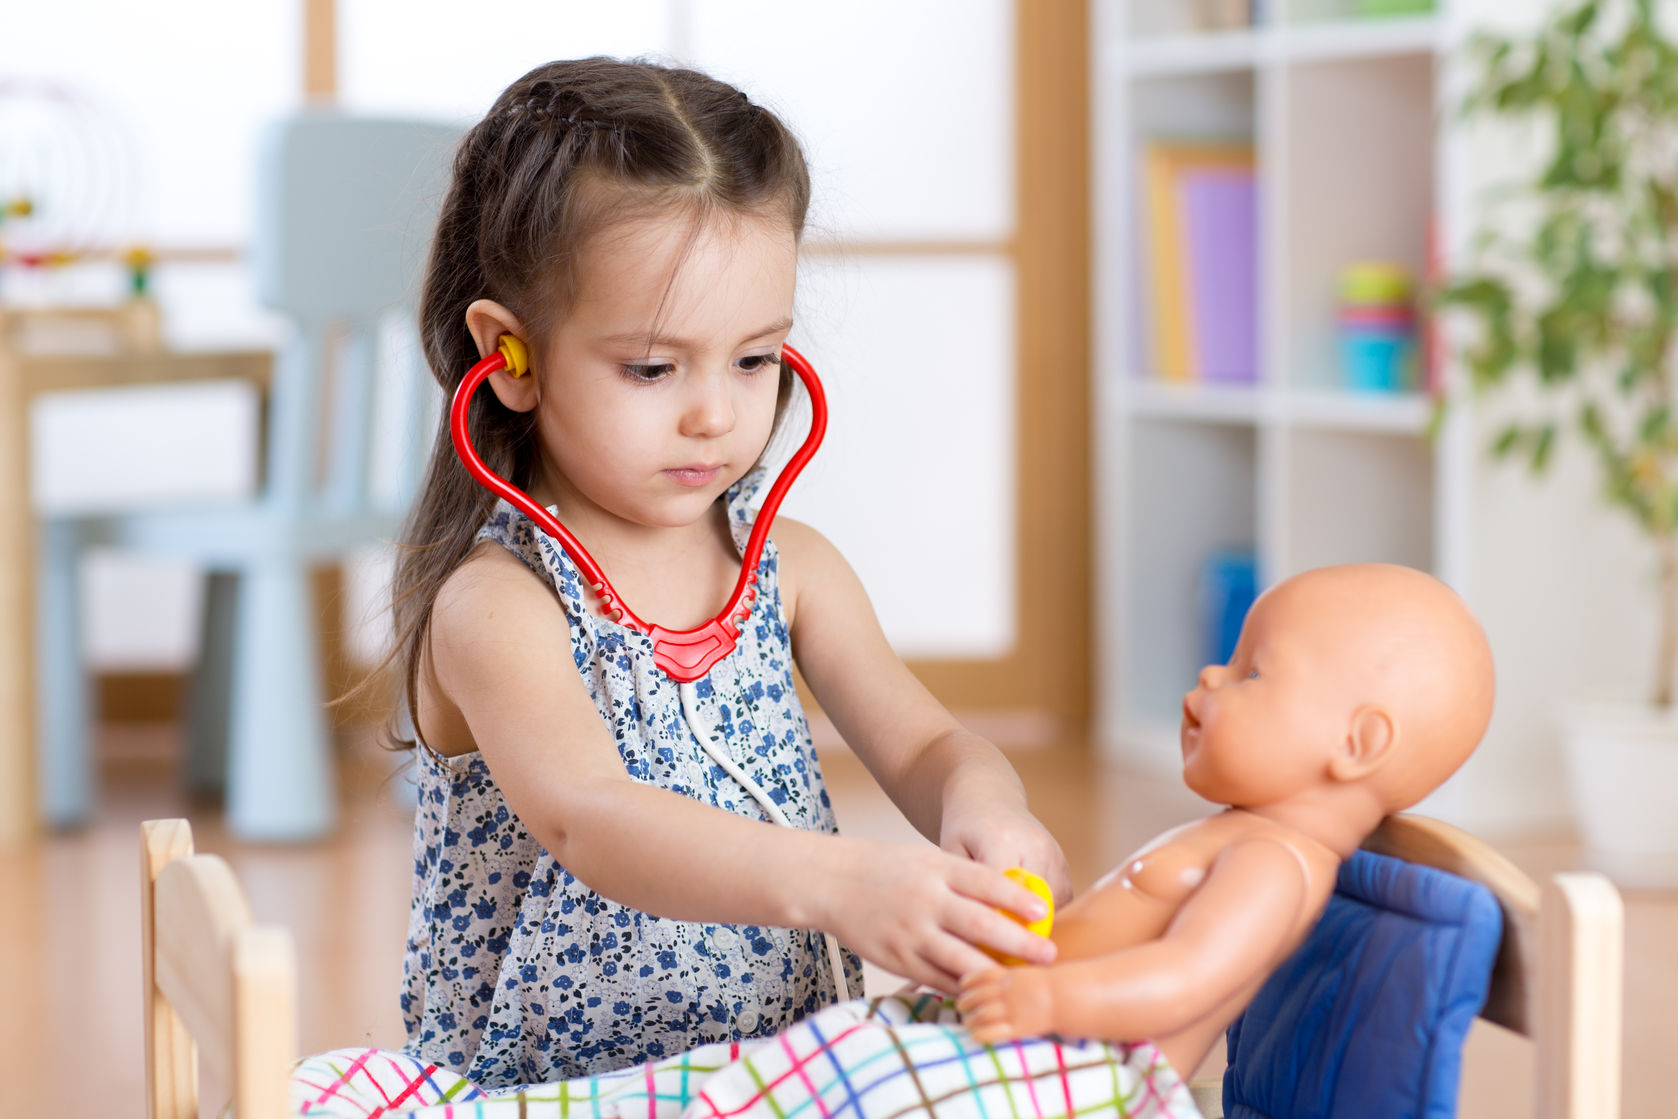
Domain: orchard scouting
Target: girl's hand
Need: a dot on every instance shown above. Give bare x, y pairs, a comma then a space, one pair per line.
922, 913
1002, 1003
1003, 837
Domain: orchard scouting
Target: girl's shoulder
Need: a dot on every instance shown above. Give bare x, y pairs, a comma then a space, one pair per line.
489, 569
492, 612
809, 562
488, 601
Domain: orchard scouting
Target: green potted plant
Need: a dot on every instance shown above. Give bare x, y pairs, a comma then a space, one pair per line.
1579, 310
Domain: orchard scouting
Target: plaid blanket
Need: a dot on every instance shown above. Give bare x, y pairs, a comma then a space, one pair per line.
898, 1057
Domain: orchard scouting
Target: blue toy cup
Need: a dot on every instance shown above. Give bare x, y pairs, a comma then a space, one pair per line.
1378, 359
1228, 586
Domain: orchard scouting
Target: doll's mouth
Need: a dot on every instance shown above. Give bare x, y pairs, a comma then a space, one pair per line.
1190, 721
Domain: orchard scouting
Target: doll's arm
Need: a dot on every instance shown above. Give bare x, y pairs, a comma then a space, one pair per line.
1230, 932
953, 785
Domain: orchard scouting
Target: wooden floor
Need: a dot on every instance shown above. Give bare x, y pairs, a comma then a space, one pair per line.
69, 971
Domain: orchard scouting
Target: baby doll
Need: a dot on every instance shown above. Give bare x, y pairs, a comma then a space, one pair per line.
1352, 693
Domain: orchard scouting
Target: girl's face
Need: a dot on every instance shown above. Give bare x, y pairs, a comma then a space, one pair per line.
658, 389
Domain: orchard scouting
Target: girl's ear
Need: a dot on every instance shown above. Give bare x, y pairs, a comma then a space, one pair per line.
488, 321
1371, 741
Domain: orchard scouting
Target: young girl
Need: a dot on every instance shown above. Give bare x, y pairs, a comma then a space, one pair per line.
590, 890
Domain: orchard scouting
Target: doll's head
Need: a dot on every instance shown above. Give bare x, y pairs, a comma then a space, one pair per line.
1363, 686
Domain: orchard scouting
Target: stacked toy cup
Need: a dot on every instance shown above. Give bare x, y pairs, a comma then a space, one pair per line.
1378, 327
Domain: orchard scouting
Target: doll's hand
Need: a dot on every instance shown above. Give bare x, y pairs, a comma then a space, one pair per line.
1004, 837
923, 913
1002, 1003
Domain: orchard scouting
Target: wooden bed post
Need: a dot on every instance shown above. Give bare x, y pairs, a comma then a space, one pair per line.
171, 1060
1579, 996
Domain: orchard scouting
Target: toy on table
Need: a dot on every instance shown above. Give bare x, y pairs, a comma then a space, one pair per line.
69, 169
1378, 327
1354, 691
71, 187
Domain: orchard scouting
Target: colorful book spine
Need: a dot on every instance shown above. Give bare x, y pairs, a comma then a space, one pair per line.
1220, 226
1202, 261
1165, 257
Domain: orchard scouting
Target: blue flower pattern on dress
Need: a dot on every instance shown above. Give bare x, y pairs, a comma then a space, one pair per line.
517, 973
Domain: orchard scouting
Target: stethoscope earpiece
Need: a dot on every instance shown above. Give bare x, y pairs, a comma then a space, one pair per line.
684, 655
514, 353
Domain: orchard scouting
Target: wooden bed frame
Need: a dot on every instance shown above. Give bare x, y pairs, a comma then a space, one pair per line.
215, 978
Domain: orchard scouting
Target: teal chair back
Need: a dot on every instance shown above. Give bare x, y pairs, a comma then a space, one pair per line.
344, 211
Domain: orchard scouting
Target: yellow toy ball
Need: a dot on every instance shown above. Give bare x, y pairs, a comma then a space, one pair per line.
1042, 925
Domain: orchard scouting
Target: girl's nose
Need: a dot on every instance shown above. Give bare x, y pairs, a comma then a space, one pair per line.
1210, 675
710, 408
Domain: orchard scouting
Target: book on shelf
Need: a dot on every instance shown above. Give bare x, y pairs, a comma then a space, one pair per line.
1201, 205
1222, 15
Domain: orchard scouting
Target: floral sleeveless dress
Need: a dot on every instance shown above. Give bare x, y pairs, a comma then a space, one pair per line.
517, 973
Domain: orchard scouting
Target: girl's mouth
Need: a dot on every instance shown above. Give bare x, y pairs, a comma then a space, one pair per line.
693, 475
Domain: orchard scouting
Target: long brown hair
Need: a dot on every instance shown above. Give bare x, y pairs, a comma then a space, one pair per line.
567, 149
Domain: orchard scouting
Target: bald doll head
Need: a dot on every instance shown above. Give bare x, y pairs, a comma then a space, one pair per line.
1371, 677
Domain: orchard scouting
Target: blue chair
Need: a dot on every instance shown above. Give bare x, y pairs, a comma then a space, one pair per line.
1428, 928
344, 212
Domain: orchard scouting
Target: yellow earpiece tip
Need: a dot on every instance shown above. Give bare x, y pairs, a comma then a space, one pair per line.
518, 358
1043, 925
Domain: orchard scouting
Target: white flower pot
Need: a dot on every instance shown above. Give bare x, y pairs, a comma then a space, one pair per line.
1622, 768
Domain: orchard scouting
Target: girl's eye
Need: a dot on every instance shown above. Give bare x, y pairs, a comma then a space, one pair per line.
756, 363
647, 372
1252, 674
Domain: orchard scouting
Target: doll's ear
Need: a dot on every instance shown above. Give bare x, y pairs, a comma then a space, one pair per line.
488, 321
1370, 742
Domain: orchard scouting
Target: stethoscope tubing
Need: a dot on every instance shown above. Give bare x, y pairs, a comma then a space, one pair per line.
710, 742
685, 655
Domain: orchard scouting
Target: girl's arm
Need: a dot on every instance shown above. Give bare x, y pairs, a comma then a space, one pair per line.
500, 665
954, 786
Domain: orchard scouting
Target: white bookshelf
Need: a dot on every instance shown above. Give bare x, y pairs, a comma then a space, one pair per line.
1343, 115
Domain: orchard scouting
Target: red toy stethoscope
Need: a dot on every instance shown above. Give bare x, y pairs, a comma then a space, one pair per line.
684, 655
